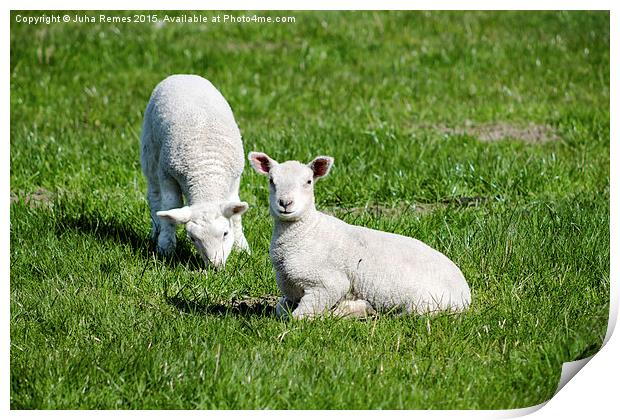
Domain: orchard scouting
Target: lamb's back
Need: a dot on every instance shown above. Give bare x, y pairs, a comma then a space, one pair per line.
194, 128
387, 268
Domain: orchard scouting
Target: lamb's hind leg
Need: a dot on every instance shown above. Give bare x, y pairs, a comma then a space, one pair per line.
149, 158
353, 309
171, 198
153, 196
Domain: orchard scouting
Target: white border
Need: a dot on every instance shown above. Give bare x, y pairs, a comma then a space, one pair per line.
592, 393
312, 5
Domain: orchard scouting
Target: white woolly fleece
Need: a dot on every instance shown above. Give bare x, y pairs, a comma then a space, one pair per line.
196, 137
320, 261
191, 146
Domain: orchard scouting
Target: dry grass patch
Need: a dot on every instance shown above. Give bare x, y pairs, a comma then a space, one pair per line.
39, 198
490, 132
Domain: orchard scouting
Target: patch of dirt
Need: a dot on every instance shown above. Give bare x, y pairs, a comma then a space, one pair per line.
250, 303
39, 198
530, 133
465, 201
243, 306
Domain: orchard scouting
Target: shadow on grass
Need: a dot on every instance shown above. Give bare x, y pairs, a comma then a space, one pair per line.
246, 307
107, 229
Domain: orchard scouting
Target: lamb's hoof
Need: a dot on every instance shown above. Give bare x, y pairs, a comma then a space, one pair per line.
284, 308
165, 252
154, 234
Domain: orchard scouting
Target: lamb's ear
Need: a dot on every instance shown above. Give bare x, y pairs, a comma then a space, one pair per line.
234, 208
321, 165
176, 216
261, 162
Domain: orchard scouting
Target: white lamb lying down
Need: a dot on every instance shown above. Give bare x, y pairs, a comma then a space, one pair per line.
191, 146
323, 263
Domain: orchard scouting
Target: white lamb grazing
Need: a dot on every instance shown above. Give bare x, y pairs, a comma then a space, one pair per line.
191, 146
323, 263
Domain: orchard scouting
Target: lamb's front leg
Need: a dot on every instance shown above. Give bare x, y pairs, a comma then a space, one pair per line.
316, 302
240, 241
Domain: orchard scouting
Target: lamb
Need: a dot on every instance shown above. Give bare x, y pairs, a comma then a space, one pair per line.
191, 147
323, 264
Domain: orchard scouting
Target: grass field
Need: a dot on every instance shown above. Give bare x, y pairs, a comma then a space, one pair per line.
485, 135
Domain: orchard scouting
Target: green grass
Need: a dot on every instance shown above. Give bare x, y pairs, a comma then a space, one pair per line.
97, 321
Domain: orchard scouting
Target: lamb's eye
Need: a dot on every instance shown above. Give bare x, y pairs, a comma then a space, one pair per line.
309, 182
270, 181
225, 234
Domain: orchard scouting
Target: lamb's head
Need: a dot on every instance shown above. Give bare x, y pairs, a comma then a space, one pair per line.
209, 227
291, 184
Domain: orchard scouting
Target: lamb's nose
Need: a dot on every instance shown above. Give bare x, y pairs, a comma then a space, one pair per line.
285, 204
